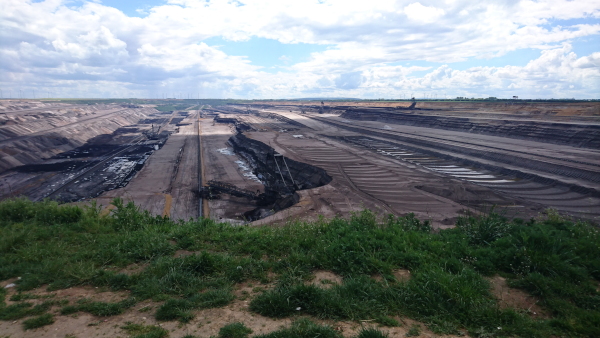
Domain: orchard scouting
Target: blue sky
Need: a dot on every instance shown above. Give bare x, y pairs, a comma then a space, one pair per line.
287, 49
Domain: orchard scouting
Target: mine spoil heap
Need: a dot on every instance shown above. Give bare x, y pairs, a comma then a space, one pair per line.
281, 176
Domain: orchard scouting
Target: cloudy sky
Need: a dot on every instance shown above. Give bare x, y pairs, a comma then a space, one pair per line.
300, 48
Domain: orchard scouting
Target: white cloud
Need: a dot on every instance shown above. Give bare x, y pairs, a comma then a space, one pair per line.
97, 48
418, 12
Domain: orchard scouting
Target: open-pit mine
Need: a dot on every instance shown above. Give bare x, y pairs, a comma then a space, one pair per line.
273, 161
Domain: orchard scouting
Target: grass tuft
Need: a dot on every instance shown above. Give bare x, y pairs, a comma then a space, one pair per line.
181, 308
303, 328
234, 330
145, 331
371, 333
34, 323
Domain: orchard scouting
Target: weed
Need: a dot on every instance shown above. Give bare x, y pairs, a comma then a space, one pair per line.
145, 331
388, 321
234, 330
303, 328
371, 333
34, 323
485, 228
414, 331
100, 309
181, 308
23, 309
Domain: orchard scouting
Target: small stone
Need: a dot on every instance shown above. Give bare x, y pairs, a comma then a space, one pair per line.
11, 285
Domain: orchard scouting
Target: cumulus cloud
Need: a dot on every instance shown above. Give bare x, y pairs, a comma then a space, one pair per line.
96, 50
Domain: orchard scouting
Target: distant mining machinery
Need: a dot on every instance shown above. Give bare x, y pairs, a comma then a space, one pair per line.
151, 134
277, 156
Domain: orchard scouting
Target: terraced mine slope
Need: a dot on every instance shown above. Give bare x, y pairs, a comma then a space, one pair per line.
268, 162
436, 162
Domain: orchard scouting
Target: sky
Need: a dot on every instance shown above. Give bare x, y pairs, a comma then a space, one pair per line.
280, 49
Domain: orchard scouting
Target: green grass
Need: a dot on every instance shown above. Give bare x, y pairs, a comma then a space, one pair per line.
144, 331
414, 331
371, 333
181, 308
100, 309
23, 309
555, 259
39, 321
303, 328
234, 330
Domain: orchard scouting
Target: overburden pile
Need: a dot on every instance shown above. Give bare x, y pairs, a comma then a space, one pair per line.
551, 258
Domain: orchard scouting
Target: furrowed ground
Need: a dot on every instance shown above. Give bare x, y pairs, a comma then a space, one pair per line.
75, 273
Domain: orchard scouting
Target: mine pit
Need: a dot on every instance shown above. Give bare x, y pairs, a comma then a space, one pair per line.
268, 162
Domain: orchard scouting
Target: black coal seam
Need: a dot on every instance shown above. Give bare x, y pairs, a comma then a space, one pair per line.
258, 154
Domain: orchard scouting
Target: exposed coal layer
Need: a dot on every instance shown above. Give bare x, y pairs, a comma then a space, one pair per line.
579, 135
88, 150
57, 166
281, 176
282, 119
176, 120
153, 121
115, 173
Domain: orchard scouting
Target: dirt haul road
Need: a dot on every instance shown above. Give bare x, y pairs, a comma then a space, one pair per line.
168, 182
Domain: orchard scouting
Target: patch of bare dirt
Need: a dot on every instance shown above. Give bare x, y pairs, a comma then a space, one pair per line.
184, 253
514, 298
325, 279
134, 269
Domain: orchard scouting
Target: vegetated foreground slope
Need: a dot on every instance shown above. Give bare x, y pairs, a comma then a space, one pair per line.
552, 259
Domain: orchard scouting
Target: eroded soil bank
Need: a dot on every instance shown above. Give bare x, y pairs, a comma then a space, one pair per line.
281, 176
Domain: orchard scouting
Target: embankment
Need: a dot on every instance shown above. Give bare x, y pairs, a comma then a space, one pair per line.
281, 176
578, 135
